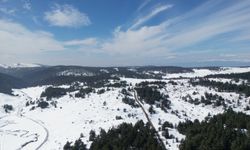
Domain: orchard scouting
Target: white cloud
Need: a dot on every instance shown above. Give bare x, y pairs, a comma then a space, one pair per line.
20, 44
171, 36
66, 16
84, 42
232, 18
144, 4
161, 43
149, 16
16, 39
142, 41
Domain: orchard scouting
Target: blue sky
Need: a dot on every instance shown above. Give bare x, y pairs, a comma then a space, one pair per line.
127, 32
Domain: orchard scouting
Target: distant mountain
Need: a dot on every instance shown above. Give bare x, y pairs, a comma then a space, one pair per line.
7, 83
20, 65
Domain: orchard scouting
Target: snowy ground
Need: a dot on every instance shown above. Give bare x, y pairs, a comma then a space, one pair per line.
205, 72
71, 117
51, 128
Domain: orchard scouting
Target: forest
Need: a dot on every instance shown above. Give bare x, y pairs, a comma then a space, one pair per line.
227, 131
235, 76
52, 92
223, 87
125, 137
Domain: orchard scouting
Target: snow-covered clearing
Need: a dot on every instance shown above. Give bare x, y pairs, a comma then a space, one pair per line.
205, 72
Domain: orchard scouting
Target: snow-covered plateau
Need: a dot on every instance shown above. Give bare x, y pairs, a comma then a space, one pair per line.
27, 127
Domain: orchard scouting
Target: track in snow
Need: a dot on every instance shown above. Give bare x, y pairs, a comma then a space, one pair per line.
149, 120
35, 121
45, 129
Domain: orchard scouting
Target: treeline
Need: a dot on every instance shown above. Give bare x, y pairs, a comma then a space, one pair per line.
83, 92
207, 99
53, 92
125, 137
223, 87
7, 83
227, 131
160, 84
235, 76
96, 81
51, 75
149, 94
57, 92
118, 84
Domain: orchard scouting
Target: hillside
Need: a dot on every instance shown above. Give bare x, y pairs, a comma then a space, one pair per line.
94, 108
7, 83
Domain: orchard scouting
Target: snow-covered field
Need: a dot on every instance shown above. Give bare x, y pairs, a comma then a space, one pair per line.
52, 127
71, 117
205, 72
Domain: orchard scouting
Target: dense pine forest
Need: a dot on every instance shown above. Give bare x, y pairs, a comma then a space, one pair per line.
125, 137
228, 131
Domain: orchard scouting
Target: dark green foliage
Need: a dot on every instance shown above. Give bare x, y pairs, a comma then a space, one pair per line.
165, 134
167, 124
43, 104
165, 103
92, 135
151, 110
165, 69
213, 98
223, 87
52, 92
7, 108
78, 145
125, 92
127, 99
130, 101
235, 76
160, 84
172, 82
149, 94
126, 136
83, 92
118, 117
101, 91
228, 131
118, 84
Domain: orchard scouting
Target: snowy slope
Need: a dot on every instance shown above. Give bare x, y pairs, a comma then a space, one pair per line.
52, 127
20, 65
205, 72
74, 116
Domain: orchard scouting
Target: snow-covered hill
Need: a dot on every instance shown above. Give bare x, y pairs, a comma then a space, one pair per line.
20, 65
30, 127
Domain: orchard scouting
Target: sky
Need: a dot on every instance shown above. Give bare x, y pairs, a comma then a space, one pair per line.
125, 32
